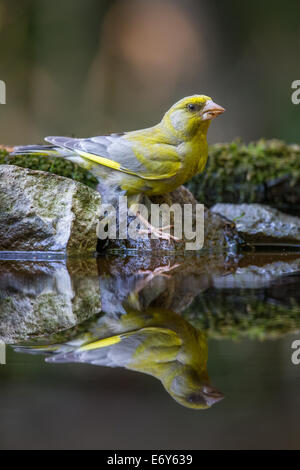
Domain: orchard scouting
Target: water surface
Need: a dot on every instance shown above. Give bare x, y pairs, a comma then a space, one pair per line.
129, 352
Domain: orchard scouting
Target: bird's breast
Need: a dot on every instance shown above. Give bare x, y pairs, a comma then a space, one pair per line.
193, 156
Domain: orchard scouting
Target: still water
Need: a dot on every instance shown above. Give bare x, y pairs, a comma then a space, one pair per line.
150, 352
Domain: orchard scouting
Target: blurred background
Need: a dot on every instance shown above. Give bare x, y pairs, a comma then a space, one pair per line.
99, 66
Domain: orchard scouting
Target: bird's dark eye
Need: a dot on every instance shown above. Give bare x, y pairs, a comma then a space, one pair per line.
196, 398
191, 107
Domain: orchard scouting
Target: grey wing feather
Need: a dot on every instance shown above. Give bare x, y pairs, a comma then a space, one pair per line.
114, 147
117, 355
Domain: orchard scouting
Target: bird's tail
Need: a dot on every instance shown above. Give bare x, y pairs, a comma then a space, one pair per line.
46, 150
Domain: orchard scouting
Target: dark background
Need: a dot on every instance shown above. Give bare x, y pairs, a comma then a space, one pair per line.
89, 67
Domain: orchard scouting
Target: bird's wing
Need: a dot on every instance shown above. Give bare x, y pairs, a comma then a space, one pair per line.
117, 152
126, 349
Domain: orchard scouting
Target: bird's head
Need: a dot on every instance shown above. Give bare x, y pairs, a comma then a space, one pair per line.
193, 391
190, 114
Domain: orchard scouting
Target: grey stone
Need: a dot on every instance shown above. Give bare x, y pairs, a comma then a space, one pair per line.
261, 224
40, 211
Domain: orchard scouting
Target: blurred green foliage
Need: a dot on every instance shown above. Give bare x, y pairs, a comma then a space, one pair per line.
95, 66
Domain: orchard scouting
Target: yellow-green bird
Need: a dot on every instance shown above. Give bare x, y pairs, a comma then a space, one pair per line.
150, 161
154, 341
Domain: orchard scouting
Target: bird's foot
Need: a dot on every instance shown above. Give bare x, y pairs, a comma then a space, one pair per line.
163, 271
157, 232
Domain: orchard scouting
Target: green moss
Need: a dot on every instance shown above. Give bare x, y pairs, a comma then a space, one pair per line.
58, 166
243, 316
262, 171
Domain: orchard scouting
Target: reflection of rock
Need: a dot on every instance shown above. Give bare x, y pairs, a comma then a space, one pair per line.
40, 211
168, 282
40, 298
254, 294
253, 276
261, 224
219, 234
259, 300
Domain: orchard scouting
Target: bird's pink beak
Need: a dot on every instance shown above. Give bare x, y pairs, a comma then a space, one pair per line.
212, 395
211, 110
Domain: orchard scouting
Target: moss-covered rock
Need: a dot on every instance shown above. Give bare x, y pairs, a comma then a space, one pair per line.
56, 165
264, 172
44, 212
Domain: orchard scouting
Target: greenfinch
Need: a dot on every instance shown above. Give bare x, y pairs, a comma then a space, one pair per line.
148, 162
152, 161
155, 341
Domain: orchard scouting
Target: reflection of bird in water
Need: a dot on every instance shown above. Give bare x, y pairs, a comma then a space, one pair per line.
149, 162
140, 330
155, 341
